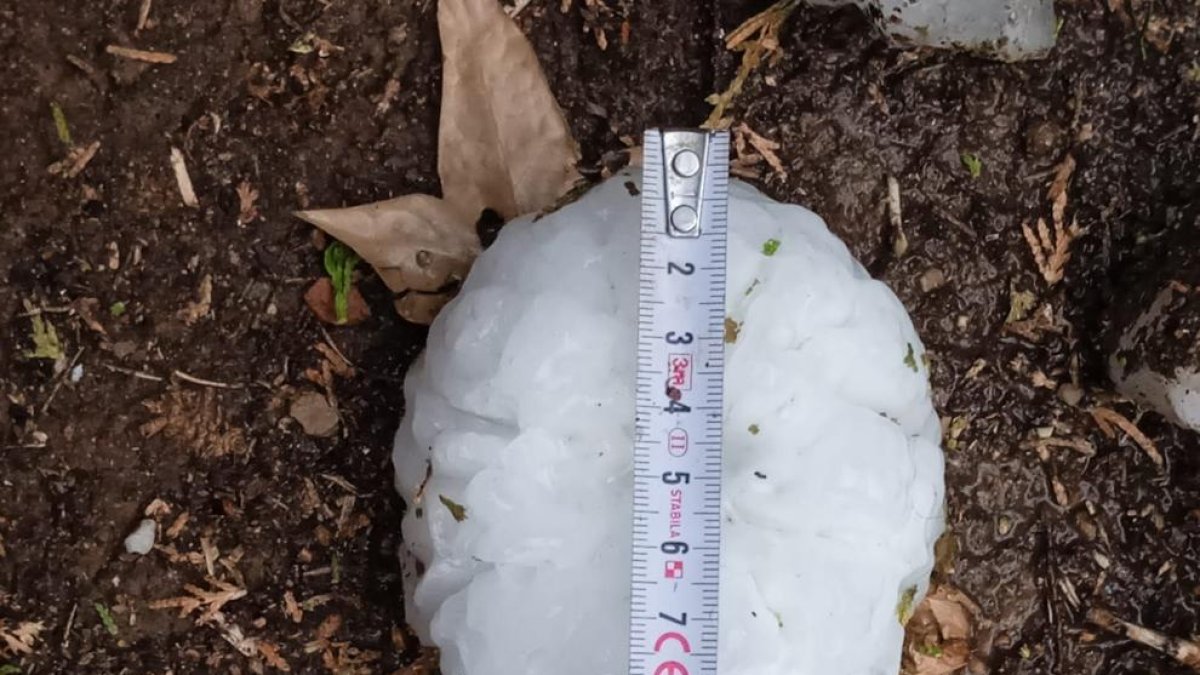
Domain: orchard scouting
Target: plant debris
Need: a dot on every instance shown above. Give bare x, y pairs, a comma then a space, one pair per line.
106, 618
1186, 652
247, 196
321, 298
20, 639
202, 305
211, 601
339, 265
973, 164
511, 154
46, 344
196, 419
764, 149
186, 192
1052, 252
1106, 418
938, 636
757, 39
457, 510
140, 54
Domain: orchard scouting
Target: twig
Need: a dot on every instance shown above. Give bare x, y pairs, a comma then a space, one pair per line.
61, 378
46, 310
1106, 417
144, 14
1186, 652
136, 373
204, 383
140, 54
66, 641
334, 347
900, 245
186, 191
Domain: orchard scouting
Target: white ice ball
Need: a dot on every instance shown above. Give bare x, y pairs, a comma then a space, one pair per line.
515, 455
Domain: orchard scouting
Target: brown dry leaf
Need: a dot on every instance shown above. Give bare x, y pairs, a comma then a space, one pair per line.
247, 196
211, 601
87, 308
196, 419
270, 654
938, 636
503, 144
337, 362
426, 663
202, 305
19, 640
320, 299
1106, 418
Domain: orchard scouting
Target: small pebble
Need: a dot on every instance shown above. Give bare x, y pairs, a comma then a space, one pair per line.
77, 373
141, 540
314, 414
932, 279
1070, 394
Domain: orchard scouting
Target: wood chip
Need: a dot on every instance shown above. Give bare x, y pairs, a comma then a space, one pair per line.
1186, 652
186, 191
140, 54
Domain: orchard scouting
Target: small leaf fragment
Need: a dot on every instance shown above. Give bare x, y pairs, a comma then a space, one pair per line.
106, 618
754, 429
117, 308
770, 247
910, 358
457, 510
46, 344
320, 299
60, 124
732, 328
973, 163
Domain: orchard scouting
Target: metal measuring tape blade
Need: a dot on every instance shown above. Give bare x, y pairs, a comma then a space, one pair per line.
680, 382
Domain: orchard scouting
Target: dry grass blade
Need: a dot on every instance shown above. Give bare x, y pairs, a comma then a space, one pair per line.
140, 54
1106, 418
1186, 652
76, 160
210, 601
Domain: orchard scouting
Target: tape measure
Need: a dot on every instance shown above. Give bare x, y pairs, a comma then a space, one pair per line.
680, 403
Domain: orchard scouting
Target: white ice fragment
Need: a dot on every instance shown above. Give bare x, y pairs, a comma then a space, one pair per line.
515, 455
141, 540
1010, 30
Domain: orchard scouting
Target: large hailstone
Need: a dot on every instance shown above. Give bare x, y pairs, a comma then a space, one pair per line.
515, 456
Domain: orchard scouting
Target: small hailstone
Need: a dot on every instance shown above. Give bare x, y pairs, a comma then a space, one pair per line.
515, 455
141, 540
77, 374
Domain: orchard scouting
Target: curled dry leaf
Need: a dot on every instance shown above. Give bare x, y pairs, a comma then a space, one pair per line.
503, 145
938, 637
421, 308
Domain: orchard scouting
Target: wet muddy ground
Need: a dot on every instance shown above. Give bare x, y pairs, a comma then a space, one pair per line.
329, 103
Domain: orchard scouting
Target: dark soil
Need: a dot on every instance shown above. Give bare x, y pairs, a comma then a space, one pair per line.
1039, 539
